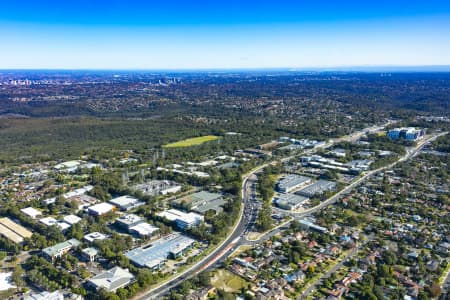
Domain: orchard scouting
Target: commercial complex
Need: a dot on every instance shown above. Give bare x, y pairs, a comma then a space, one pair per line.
407, 133
158, 187
292, 182
354, 166
182, 220
13, 231
317, 188
289, 201
153, 256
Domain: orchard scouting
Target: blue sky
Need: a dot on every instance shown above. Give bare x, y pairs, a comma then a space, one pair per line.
222, 34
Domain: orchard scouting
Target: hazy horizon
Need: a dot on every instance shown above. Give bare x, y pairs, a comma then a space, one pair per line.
181, 35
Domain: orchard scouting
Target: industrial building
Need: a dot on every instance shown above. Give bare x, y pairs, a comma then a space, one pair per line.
60, 249
101, 209
111, 280
126, 202
289, 201
317, 188
201, 202
13, 231
292, 182
407, 133
158, 187
182, 220
153, 256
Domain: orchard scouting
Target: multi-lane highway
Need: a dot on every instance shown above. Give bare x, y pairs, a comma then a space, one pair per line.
247, 218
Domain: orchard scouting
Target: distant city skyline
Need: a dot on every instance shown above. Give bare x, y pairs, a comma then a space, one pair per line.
223, 34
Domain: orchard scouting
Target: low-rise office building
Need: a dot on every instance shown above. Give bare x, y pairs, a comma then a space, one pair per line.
182, 220
111, 280
317, 188
101, 209
127, 221
158, 187
201, 202
71, 219
60, 249
31, 212
126, 202
94, 236
407, 133
292, 182
89, 254
290, 201
143, 230
154, 255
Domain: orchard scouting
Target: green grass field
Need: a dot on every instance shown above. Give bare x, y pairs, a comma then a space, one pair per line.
228, 281
192, 141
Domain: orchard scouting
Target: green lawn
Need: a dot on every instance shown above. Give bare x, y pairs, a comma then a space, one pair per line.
192, 141
228, 281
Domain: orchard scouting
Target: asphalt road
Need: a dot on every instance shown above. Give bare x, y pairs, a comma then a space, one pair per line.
336, 267
246, 221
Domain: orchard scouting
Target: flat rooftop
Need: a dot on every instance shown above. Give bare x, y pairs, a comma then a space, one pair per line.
159, 250
124, 201
317, 187
56, 249
31, 212
290, 200
174, 214
144, 229
291, 181
129, 219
